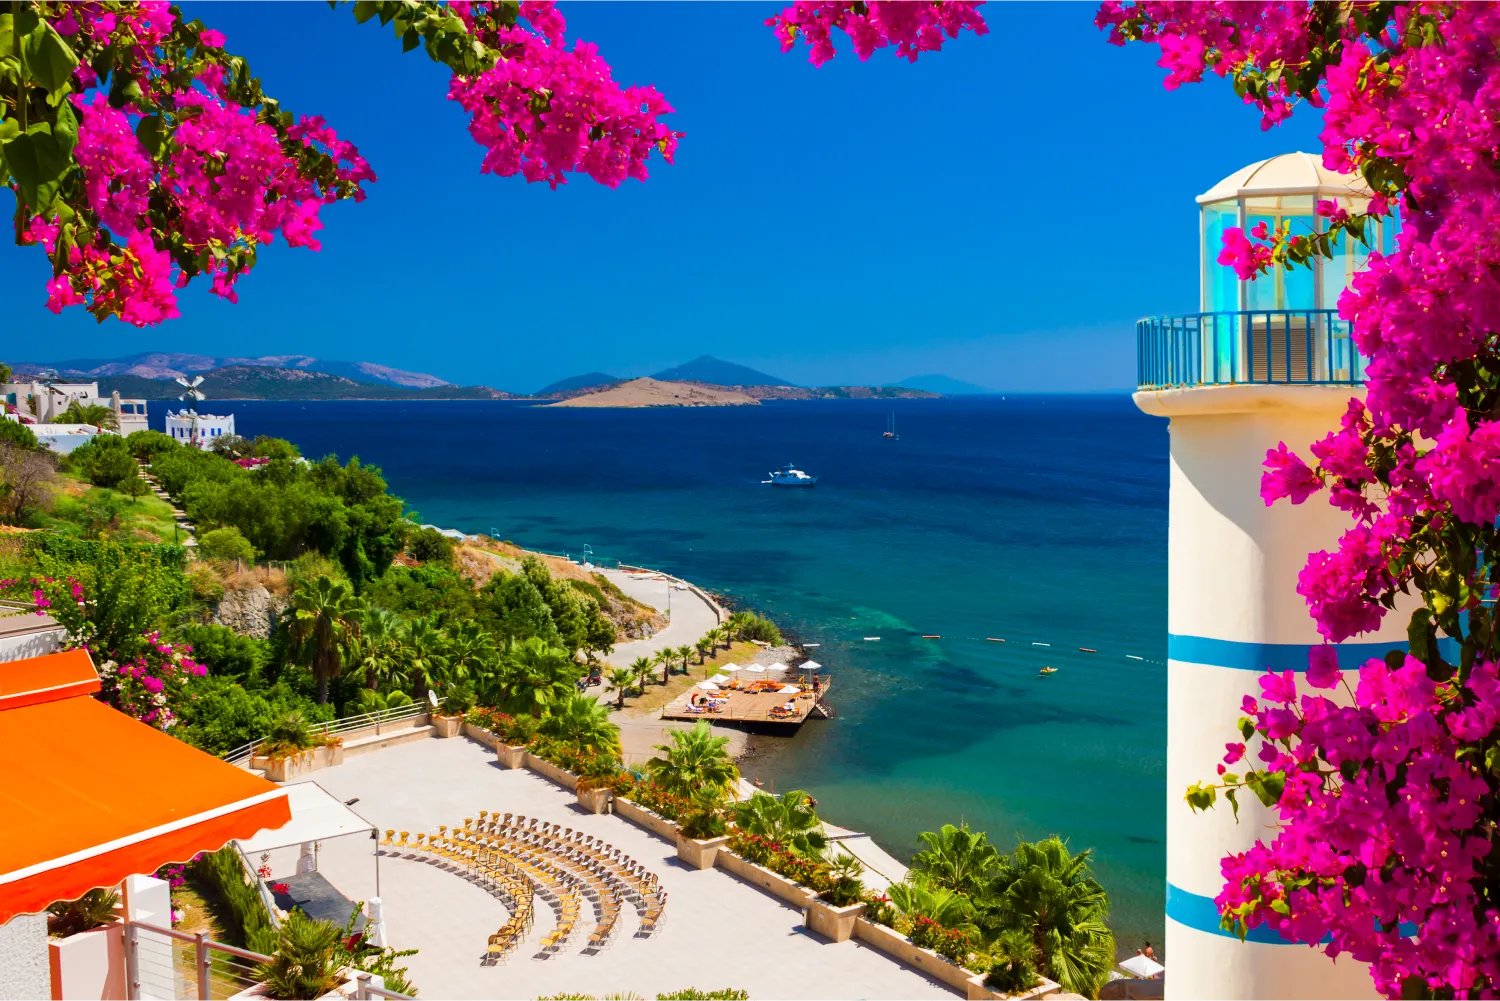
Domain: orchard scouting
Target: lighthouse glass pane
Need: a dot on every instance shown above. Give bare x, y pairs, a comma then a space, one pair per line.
1298, 285
1221, 289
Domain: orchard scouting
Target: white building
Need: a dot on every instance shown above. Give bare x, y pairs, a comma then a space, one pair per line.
130, 415
1265, 361
188, 427
46, 401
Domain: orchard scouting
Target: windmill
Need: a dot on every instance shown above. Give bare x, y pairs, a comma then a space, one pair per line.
193, 393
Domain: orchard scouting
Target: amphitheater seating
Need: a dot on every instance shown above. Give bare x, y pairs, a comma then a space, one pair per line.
520, 858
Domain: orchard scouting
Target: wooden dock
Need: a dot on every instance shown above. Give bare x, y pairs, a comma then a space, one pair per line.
744, 707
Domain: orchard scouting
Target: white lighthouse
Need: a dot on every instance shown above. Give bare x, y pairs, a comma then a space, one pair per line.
1265, 361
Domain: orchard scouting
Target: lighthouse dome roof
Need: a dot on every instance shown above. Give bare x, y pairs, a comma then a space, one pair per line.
1287, 174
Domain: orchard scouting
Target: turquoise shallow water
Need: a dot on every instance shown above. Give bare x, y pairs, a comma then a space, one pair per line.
1035, 519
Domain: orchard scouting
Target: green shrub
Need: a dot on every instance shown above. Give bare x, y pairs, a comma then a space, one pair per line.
224, 652
94, 908
205, 584
227, 544
694, 994
16, 433
223, 871
1013, 969
222, 715
431, 546
145, 445
105, 462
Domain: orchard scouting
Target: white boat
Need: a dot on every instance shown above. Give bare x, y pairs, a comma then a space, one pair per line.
789, 477
890, 428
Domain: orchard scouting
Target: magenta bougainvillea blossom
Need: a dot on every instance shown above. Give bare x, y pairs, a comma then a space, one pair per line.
913, 27
1388, 802
143, 155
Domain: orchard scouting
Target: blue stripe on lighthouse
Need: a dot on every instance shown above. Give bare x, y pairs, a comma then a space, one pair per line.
1279, 656
1200, 913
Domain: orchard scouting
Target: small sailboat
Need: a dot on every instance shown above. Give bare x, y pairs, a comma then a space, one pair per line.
890, 428
1047, 670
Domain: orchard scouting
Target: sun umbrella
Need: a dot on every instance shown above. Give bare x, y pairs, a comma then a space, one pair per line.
789, 690
1142, 966
810, 665
719, 678
708, 686
756, 669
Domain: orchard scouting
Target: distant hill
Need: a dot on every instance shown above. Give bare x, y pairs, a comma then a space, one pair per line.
563, 387
257, 382
946, 385
657, 393
711, 371
170, 365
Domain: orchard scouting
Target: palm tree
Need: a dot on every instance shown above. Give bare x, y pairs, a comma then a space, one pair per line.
583, 722
97, 414
379, 704
788, 819
324, 619
935, 903
957, 858
641, 667
684, 652
1045, 889
695, 760
377, 649
665, 658
422, 646
620, 679
704, 647
534, 675
468, 652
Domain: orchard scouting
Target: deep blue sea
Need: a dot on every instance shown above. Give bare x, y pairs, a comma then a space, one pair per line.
1036, 519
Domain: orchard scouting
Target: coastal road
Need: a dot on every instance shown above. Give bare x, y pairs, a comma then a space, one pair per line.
691, 615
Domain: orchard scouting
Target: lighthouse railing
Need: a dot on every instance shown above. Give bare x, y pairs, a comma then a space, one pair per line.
1308, 347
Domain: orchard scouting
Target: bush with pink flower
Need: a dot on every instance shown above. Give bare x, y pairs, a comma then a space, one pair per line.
152, 685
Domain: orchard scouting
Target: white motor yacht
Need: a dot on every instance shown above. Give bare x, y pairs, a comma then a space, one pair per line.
789, 477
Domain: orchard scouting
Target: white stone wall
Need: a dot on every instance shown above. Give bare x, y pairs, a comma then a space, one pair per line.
24, 970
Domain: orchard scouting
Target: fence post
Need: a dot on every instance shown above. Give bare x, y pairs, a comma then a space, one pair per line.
132, 963
201, 955
362, 987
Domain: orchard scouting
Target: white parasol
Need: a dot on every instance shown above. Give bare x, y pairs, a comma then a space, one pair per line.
1142, 966
708, 686
788, 690
719, 679
810, 665
756, 669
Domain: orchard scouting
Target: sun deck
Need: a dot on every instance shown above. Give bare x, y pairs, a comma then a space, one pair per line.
747, 707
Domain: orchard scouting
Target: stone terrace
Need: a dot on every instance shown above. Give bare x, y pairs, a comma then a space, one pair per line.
716, 931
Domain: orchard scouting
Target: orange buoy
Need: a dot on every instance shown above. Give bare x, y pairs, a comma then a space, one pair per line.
1087, 649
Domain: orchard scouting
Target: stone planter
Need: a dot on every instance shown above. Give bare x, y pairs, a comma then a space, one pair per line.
510, 757
480, 734
446, 726
347, 988
595, 800
977, 991
295, 766
699, 854
90, 964
835, 923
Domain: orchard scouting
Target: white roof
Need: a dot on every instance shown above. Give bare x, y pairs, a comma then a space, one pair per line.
1287, 174
1142, 966
316, 816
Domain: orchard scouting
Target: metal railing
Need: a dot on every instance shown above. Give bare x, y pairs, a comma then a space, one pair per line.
208, 971
342, 726
1307, 347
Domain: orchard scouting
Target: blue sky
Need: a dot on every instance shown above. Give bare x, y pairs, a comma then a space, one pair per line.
1000, 212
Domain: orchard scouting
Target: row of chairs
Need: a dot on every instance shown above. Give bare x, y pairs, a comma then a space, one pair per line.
572, 886
583, 851
556, 837
508, 882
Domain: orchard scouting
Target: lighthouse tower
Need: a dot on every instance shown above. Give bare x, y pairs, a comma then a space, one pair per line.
1265, 361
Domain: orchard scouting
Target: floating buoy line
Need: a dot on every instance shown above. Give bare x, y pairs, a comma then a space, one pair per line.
1035, 643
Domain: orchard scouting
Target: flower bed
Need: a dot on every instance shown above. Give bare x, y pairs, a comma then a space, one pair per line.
810, 873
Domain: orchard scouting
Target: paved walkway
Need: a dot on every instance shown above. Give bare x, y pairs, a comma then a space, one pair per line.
691, 615
717, 932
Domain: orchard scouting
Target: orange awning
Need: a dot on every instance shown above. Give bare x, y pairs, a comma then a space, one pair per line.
89, 796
